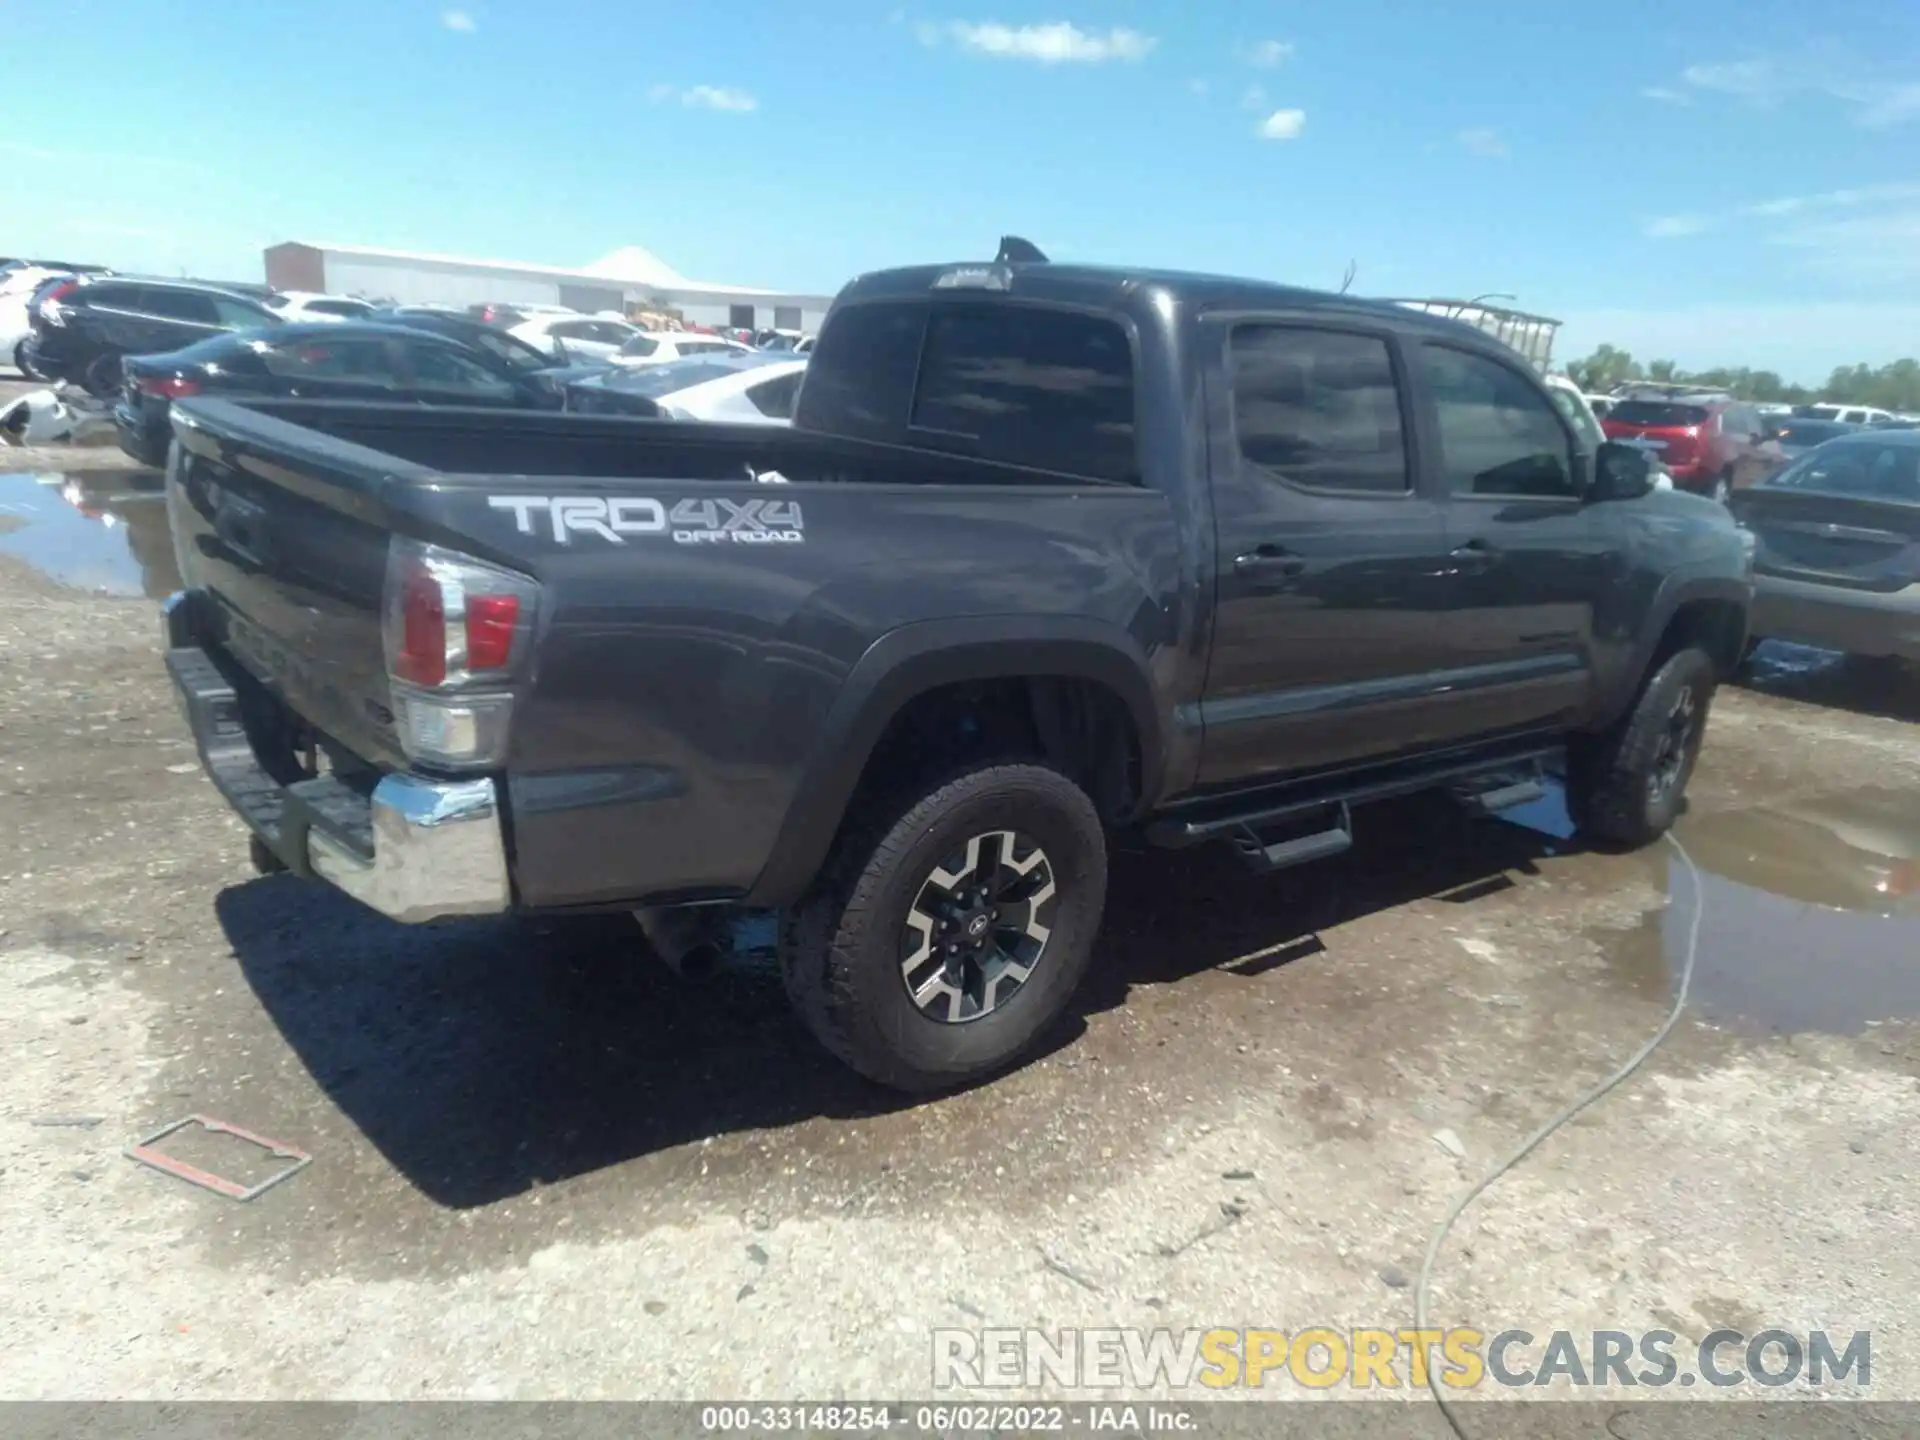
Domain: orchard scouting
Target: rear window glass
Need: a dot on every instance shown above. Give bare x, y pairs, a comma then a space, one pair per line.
1657, 412
1051, 389
862, 377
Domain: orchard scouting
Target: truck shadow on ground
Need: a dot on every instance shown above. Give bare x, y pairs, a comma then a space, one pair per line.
1867, 686
484, 1057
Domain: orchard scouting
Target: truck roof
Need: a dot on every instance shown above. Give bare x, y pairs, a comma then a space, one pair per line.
1114, 287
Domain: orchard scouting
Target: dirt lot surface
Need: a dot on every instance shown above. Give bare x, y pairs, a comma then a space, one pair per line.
544, 1167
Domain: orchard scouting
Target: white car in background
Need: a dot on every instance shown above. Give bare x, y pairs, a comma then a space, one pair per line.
1578, 409
750, 388
585, 337
16, 288
656, 347
304, 305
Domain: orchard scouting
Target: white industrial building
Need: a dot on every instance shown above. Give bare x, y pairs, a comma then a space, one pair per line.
630, 278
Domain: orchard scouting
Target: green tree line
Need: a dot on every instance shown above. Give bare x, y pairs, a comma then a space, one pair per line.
1894, 386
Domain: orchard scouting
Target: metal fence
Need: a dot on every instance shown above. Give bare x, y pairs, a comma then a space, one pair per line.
1531, 335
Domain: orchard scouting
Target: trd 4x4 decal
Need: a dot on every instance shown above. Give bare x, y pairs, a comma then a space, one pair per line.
690, 522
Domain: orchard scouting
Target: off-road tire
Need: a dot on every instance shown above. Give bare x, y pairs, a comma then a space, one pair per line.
1610, 794
840, 946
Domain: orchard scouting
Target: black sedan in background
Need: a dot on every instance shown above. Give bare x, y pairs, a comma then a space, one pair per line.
322, 361
1837, 546
1797, 436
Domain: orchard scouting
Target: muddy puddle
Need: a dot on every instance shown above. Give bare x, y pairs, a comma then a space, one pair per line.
1811, 918
1827, 677
101, 531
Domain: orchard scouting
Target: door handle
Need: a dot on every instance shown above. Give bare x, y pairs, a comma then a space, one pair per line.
1268, 560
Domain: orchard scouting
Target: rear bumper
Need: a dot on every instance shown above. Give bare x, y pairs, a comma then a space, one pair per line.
1858, 622
415, 849
144, 441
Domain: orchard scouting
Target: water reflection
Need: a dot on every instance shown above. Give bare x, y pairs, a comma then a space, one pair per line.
103, 531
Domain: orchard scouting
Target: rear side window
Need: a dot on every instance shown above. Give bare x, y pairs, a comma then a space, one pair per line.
1319, 408
1498, 434
443, 370
1050, 389
189, 305
642, 345
105, 297
366, 361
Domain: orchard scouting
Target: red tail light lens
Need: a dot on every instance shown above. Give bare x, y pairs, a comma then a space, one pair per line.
49, 306
455, 632
168, 387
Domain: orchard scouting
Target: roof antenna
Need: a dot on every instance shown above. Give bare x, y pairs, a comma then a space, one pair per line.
1346, 281
1015, 251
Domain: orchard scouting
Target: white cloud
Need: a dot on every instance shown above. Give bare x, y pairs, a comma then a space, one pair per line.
704, 97
1876, 249
1666, 95
1053, 43
1858, 195
460, 20
1283, 125
1673, 227
1485, 141
1269, 53
1877, 97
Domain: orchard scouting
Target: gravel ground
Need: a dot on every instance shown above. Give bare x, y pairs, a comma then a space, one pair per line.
543, 1167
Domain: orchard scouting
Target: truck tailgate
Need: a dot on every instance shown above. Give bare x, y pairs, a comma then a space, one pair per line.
282, 533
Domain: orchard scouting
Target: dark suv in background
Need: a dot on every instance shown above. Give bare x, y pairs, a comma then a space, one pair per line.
1710, 444
84, 327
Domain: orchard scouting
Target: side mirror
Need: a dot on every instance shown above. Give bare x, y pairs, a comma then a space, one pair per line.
1620, 472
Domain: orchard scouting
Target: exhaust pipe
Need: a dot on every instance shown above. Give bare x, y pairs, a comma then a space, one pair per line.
691, 939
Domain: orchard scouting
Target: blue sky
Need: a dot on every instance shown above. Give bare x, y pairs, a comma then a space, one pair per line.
1714, 182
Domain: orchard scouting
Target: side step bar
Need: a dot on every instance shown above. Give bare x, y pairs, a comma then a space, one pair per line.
1499, 768
1320, 845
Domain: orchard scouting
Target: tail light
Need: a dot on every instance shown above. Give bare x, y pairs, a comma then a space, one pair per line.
456, 632
167, 387
50, 308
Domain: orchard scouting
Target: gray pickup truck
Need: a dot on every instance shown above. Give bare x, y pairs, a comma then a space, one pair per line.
1047, 551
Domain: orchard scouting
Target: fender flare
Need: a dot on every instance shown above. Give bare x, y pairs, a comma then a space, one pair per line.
909, 661
1676, 590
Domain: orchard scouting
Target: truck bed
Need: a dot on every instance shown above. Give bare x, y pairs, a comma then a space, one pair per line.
696, 627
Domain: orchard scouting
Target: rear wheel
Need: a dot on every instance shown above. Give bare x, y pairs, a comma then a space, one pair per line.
20, 361
102, 379
1627, 785
939, 943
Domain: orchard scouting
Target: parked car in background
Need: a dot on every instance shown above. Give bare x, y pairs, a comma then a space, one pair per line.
568, 337
17, 287
1601, 405
1577, 407
757, 388
83, 327
1712, 446
317, 360
1796, 436
1837, 554
305, 305
507, 316
1845, 414
511, 351
656, 347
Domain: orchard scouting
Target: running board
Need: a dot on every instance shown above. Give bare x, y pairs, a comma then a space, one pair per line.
1298, 850
1450, 769
1507, 791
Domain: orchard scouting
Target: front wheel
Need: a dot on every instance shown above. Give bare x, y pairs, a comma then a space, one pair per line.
937, 946
1626, 785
